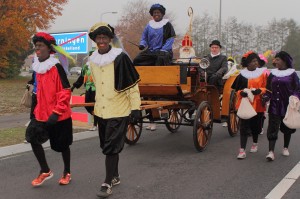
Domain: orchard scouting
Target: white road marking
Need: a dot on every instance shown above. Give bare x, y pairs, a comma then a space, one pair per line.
283, 186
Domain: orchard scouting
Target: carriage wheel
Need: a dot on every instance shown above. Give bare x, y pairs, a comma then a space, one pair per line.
134, 132
203, 126
233, 119
175, 117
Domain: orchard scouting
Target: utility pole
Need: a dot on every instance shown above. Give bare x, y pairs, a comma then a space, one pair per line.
220, 21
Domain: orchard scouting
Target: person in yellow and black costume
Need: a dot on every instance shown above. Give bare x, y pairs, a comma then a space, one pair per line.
52, 112
117, 99
254, 78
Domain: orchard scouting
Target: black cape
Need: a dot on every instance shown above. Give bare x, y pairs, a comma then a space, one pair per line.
126, 75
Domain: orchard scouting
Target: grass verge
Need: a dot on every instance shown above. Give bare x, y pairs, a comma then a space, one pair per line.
16, 135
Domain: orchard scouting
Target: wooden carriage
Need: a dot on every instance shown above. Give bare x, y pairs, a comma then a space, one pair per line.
174, 93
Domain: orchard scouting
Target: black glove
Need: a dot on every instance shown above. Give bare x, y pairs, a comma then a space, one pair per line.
135, 115
52, 119
264, 100
141, 47
243, 94
256, 92
72, 88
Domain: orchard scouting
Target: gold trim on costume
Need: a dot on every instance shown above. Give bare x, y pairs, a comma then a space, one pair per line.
137, 81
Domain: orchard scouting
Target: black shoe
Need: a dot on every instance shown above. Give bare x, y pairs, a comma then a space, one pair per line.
116, 180
105, 191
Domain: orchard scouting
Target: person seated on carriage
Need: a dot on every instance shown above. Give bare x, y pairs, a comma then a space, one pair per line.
186, 51
156, 45
217, 65
157, 40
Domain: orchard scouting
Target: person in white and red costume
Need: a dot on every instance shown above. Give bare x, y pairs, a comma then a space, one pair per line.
52, 113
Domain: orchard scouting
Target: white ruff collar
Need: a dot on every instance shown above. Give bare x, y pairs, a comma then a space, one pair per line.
252, 74
212, 55
282, 73
43, 67
157, 25
102, 60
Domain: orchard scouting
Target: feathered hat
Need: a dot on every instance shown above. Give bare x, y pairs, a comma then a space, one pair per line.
249, 56
101, 28
46, 39
262, 57
230, 59
105, 29
50, 41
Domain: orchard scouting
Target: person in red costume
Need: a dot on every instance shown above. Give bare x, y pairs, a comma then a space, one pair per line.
52, 112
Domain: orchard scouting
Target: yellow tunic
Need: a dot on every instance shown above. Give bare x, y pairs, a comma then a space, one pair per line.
109, 103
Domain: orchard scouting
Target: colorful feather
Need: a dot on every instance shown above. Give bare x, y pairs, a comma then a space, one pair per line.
63, 57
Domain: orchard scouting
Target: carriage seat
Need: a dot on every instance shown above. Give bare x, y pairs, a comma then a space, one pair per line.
163, 80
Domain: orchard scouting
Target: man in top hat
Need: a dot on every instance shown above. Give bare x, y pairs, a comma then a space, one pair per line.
218, 65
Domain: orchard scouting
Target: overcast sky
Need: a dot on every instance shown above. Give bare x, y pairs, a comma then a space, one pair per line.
80, 15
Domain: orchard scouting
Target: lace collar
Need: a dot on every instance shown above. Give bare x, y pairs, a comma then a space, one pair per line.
252, 74
102, 60
282, 73
43, 67
157, 25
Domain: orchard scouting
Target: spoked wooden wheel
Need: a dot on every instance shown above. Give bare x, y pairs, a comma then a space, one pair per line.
203, 126
134, 132
175, 119
233, 119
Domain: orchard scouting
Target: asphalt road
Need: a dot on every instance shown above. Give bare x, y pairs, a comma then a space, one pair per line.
161, 165
13, 120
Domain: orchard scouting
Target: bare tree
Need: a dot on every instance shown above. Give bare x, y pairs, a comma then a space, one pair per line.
203, 33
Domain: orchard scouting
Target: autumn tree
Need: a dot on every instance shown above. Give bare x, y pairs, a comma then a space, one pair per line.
19, 20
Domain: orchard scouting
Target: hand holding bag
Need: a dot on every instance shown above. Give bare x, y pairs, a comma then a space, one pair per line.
246, 110
292, 115
27, 97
